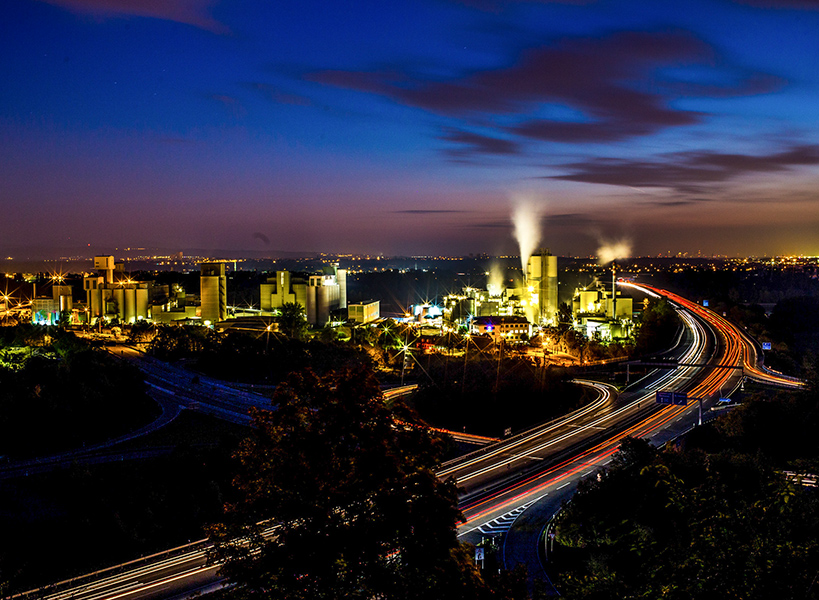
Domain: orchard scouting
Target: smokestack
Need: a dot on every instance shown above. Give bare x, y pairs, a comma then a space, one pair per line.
613, 289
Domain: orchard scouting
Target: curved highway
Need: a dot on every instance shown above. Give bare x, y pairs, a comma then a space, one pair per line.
723, 356
515, 485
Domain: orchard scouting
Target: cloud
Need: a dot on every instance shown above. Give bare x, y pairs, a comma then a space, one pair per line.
687, 172
499, 5
418, 211
571, 220
262, 238
190, 12
232, 104
475, 143
274, 94
782, 4
504, 224
620, 86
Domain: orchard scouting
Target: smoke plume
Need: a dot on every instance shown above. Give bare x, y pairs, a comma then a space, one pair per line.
610, 251
526, 220
495, 284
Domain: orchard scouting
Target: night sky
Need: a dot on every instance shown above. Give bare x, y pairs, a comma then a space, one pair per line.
410, 127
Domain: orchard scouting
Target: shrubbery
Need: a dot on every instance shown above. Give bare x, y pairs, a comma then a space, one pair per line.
61, 394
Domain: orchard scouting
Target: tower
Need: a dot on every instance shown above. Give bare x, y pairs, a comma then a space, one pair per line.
213, 292
541, 281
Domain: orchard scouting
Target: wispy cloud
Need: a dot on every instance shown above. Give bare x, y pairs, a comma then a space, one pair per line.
475, 143
231, 103
275, 94
191, 12
782, 4
499, 5
688, 172
601, 80
422, 211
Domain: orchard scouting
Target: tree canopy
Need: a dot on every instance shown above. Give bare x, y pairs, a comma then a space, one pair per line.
292, 320
350, 485
688, 525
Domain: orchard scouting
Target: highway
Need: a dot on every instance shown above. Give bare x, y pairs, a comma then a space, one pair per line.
513, 486
522, 508
572, 450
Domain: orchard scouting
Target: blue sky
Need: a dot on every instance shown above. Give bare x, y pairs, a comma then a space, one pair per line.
410, 128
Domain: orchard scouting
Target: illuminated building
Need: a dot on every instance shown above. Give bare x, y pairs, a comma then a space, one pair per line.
364, 312
540, 292
47, 311
600, 314
503, 328
113, 295
535, 299
213, 292
319, 294
173, 304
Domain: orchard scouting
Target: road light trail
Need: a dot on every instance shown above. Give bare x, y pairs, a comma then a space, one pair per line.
705, 327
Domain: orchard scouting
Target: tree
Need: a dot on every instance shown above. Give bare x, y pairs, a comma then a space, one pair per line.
686, 524
359, 510
564, 317
292, 321
141, 332
657, 328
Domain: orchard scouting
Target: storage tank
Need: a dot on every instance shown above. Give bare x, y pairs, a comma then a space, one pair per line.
341, 278
119, 298
141, 301
549, 293
129, 309
310, 303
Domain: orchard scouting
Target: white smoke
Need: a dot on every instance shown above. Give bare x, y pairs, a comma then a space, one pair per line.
526, 220
495, 284
610, 251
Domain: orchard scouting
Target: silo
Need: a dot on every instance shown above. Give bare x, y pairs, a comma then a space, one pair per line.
119, 298
129, 310
66, 303
310, 303
549, 294
341, 277
326, 298
141, 302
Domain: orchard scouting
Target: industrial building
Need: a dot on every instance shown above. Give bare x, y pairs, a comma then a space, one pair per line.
48, 310
171, 304
503, 328
364, 312
213, 292
110, 294
319, 293
534, 299
603, 314
540, 295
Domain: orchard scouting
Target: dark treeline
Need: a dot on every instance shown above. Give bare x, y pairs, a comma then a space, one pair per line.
58, 393
715, 520
484, 396
657, 327
758, 286
248, 357
792, 328
789, 319
360, 511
